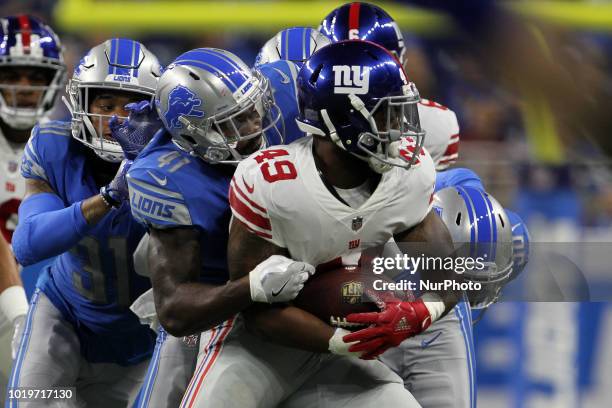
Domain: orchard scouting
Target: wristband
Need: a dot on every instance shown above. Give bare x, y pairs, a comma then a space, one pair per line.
108, 198
339, 347
13, 302
434, 304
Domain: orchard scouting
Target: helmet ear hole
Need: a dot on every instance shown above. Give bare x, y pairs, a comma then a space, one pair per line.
315, 75
458, 219
194, 76
501, 219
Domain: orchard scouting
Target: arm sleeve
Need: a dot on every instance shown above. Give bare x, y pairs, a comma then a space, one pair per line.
458, 177
46, 228
251, 202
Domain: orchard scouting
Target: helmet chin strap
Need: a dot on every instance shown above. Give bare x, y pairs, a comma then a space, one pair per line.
333, 134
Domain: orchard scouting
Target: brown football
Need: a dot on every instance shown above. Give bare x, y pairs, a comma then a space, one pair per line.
333, 294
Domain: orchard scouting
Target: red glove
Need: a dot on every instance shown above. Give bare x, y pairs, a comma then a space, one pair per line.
395, 323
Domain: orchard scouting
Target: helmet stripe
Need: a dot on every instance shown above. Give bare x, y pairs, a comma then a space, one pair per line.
135, 59
493, 223
483, 223
470, 212
294, 45
26, 30
237, 69
217, 63
354, 18
306, 43
124, 56
284, 45
113, 56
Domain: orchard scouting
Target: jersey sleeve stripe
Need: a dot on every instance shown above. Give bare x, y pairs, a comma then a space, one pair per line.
261, 234
449, 159
248, 200
30, 167
246, 214
162, 192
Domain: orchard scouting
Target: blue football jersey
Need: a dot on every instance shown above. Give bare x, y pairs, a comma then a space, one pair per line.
282, 76
94, 283
170, 188
457, 177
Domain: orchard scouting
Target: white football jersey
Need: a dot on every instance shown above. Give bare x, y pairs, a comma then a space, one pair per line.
442, 132
12, 185
278, 194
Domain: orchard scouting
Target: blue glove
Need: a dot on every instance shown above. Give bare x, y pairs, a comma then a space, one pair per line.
116, 193
136, 131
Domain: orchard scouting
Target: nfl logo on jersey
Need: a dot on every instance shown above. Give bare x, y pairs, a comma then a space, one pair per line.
357, 223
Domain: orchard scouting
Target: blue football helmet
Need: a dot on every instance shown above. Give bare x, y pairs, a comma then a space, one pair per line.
215, 107
294, 44
520, 242
479, 227
364, 21
118, 64
356, 93
26, 42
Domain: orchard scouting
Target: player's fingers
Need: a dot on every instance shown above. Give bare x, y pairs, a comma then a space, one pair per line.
137, 107
363, 334
309, 268
367, 346
114, 123
303, 277
371, 317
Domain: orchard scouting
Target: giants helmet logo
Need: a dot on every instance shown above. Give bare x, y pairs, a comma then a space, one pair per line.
352, 79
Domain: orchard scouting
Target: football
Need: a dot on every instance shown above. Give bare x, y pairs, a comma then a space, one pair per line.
331, 295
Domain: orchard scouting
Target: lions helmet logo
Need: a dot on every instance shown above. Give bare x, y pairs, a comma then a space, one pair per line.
182, 102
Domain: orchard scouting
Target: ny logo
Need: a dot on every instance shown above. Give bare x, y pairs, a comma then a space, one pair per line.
353, 79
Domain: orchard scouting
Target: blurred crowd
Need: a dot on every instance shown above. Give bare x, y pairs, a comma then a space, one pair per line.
530, 98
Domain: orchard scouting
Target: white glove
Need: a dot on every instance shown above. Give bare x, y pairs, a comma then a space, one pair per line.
278, 279
144, 308
339, 347
18, 326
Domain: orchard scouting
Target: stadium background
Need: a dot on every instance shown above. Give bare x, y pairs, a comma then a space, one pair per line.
529, 81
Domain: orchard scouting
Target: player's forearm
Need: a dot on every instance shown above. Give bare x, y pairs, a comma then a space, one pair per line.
94, 209
290, 326
194, 307
46, 228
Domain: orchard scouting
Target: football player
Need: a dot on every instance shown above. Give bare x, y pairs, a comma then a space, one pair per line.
453, 337
365, 163
364, 21
215, 111
32, 70
79, 331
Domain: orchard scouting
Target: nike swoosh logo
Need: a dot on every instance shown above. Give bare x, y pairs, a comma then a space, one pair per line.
284, 77
426, 343
276, 293
160, 181
250, 189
